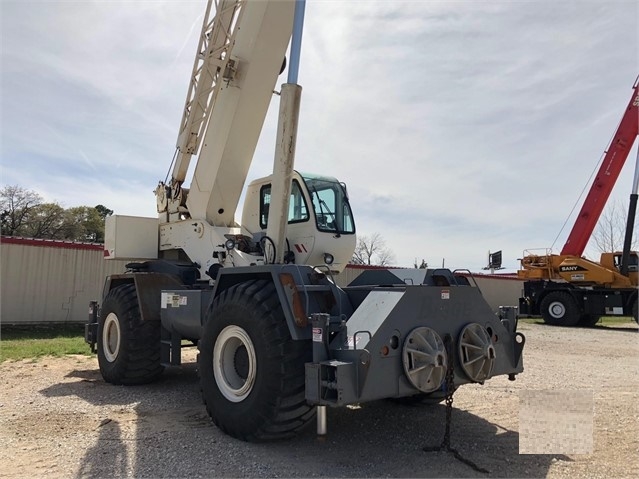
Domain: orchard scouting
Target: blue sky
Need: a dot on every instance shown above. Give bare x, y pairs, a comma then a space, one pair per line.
459, 127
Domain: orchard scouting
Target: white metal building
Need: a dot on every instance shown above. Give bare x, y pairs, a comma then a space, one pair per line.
48, 281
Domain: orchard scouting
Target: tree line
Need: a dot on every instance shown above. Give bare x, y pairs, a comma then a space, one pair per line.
24, 213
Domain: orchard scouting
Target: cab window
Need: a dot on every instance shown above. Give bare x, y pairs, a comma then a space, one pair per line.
297, 208
330, 204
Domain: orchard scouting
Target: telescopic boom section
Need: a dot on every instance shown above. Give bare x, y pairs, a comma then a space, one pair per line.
236, 119
614, 159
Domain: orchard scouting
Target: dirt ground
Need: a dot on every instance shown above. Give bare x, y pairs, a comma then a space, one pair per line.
575, 406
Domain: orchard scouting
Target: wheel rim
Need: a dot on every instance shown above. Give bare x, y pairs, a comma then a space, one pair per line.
557, 310
111, 337
234, 363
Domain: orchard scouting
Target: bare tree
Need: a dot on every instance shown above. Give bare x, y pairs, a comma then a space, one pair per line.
16, 204
372, 251
611, 229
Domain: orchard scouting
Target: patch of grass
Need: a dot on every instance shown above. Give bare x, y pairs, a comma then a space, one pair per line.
28, 342
616, 320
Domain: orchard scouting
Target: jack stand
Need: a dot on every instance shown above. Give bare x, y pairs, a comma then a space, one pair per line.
321, 421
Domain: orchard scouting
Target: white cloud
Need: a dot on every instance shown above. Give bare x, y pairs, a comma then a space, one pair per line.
459, 126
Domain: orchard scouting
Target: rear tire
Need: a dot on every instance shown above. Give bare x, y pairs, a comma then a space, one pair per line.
252, 373
128, 348
635, 313
588, 321
560, 309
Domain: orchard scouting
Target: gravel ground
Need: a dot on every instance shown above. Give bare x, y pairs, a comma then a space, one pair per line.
58, 418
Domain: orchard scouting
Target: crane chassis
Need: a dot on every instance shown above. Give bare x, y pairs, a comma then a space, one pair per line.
278, 341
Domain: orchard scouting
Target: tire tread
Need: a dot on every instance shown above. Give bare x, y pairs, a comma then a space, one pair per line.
138, 361
285, 411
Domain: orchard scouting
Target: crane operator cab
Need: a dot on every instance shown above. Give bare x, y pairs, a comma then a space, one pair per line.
320, 226
633, 260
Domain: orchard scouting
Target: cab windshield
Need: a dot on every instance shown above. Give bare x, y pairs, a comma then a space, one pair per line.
330, 203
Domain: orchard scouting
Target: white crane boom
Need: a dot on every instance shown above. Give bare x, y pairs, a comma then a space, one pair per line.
240, 56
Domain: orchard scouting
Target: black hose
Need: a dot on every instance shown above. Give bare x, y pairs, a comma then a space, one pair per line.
263, 240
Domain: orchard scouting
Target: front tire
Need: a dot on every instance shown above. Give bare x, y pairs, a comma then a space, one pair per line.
128, 348
252, 373
560, 309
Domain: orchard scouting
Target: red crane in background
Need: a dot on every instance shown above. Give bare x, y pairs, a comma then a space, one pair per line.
568, 289
614, 159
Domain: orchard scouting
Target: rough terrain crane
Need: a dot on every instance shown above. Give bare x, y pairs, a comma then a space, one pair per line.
568, 289
278, 340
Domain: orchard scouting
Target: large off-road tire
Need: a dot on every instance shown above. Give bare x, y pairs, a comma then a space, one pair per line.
588, 320
251, 371
635, 312
560, 309
128, 348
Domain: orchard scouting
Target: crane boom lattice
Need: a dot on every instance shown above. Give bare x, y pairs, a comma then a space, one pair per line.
212, 64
